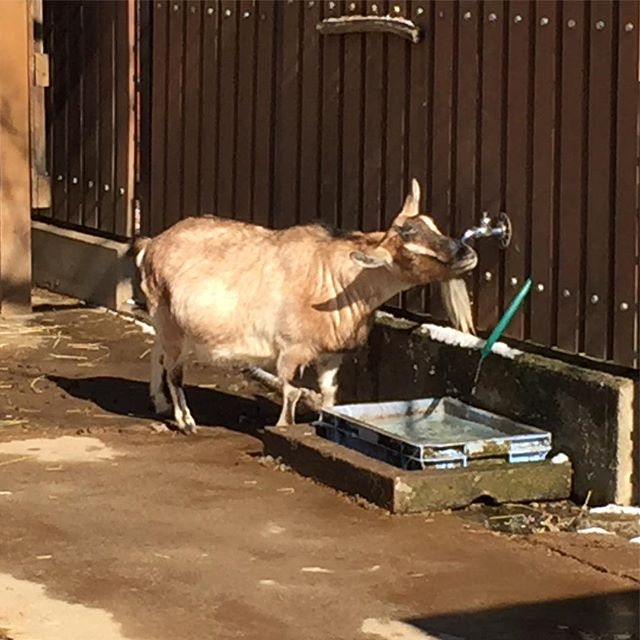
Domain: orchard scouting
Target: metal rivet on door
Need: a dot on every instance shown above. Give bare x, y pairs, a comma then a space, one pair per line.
600, 25
629, 26
517, 19
246, 14
332, 5
595, 299
352, 6
210, 11
121, 191
107, 187
624, 306
493, 17
467, 15
419, 11
192, 9
513, 281
74, 180
176, 7
566, 293
90, 184
544, 21
396, 9
374, 8
540, 287
487, 276
571, 23
59, 178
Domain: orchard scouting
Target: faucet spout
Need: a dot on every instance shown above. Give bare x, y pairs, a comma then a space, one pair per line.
487, 229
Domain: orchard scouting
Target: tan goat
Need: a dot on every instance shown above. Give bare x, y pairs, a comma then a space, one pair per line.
240, 292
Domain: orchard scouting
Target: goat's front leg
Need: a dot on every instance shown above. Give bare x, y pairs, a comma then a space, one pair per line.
181, 412
327, 367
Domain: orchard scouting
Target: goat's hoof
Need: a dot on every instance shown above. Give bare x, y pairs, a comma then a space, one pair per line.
189, 428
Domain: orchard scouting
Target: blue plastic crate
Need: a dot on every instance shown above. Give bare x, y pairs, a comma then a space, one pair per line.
441, 433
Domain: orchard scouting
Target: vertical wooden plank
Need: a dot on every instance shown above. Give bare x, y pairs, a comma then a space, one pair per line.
599, 240
264, 114
158, 138
352, 135
90, 102
494, 29
420, 123
572, 173
330, 145
227, 120
123, 99
375, 97
74, 113
40, 183
521, 24
15, 188
443, 151
144, 115
287, 116
209, 115
396, 127
59, 113
464, 211
175, 114
624, 276
396, 121
192, 92
444, 90
48, 16
106, 22
311, 78
544, 128
246, 101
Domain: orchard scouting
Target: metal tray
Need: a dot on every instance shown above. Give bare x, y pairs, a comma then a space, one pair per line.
441, 433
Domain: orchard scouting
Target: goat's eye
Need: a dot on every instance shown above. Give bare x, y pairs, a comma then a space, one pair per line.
406, 232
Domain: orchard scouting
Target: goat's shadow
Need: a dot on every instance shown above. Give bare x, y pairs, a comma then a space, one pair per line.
210, 407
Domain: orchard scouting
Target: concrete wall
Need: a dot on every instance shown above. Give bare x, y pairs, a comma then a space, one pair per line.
83, 266
590, 414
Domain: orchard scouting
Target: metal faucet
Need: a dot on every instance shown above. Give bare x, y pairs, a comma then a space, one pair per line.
501, 229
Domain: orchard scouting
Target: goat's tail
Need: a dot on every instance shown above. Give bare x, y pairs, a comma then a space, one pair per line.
138, 248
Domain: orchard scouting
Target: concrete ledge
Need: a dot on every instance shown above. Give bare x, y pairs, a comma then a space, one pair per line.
413, 491
590, 414
81, 265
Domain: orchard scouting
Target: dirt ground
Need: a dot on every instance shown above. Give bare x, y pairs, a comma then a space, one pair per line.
115, 528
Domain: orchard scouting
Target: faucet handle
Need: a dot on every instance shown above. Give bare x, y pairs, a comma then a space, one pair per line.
505, 230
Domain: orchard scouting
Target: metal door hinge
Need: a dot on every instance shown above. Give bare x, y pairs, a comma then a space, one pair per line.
41, 69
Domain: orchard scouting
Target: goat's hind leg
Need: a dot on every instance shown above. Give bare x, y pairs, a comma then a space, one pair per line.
288, 364
158, 387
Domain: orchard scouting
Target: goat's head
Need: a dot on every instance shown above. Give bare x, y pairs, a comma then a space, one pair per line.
416, 249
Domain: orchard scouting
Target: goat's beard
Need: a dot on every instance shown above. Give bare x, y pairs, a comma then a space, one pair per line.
455, 298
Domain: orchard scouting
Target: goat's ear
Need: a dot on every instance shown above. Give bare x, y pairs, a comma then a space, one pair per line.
373, 259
